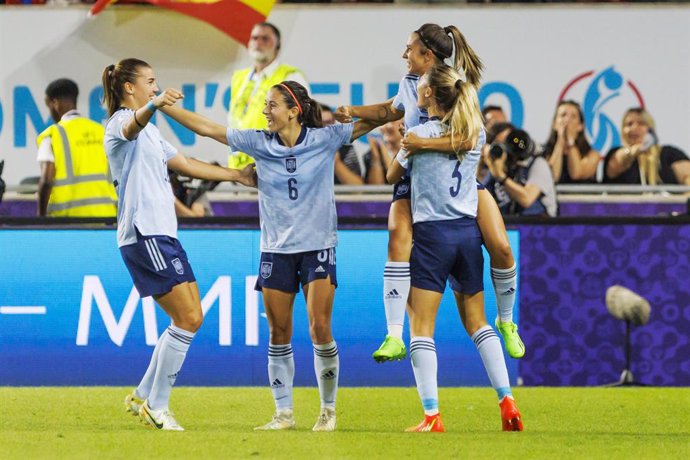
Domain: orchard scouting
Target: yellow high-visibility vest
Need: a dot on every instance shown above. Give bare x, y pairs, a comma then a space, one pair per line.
82, 186
247, 104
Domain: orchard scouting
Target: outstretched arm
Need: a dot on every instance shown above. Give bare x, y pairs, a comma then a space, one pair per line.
383, 112
143, 114
414, 144
197, 123
362, 127
194, 168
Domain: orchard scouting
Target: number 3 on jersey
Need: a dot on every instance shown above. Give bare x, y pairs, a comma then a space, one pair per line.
457, 175
293, 193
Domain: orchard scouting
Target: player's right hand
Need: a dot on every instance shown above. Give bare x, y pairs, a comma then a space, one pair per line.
343, 114
168, 97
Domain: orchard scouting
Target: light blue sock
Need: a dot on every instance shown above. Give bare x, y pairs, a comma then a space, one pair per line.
144, 388
281, 374
327, 369
173, 351
505, 285
489, 346
425, 367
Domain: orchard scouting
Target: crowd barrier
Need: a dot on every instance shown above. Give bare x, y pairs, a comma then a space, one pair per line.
69, 314
84, 325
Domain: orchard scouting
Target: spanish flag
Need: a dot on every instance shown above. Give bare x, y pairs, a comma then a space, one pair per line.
233, 17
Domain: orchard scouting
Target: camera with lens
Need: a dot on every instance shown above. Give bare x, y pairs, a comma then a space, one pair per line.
496, 150
519, 145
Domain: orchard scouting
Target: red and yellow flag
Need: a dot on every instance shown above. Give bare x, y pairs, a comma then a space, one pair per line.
233, 17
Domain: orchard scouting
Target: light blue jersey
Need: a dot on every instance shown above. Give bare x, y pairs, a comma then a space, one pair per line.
406, 101
443, 188
140, 174
296, 201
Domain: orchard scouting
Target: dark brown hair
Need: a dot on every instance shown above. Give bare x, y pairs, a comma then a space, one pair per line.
114, 78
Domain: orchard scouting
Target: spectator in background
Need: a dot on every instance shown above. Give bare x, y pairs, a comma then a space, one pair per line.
493, 114
349, 169
641, 160
75, 180
571, 158
521, 179
190, 195
249, 86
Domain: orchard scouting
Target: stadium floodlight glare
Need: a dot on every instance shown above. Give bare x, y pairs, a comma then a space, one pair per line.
628, 306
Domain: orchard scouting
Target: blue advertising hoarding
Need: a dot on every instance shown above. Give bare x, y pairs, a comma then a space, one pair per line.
69, 314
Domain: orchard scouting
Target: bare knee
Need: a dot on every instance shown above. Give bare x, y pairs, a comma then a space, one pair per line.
472, 325
280, 335
320, 332
399, 243
501, 255
190, 321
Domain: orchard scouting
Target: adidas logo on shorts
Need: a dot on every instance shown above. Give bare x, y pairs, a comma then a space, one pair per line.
319, 269
393, 294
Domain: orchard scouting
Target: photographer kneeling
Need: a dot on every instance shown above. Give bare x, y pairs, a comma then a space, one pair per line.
521, 181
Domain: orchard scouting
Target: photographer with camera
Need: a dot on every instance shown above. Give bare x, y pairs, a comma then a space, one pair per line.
190, 194
521, 180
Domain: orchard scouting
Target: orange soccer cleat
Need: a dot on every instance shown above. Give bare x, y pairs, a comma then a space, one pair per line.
430, 424
510, 415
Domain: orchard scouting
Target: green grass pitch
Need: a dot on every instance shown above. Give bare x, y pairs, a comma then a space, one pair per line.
588, 423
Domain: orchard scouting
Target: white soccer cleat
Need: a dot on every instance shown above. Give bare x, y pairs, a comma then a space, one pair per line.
132, 404
326, 421
160, 419
282, 420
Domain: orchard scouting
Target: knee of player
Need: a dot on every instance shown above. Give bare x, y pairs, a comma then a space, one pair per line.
502, 255
320, 332
279, 335
191, 321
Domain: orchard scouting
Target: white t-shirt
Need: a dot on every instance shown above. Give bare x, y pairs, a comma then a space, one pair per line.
140, 173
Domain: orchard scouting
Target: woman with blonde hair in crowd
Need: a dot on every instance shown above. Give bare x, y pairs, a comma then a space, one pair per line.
571, 158
447, 241
641, 160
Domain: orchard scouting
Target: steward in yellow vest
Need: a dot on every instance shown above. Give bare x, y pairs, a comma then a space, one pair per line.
249, 86
76, 183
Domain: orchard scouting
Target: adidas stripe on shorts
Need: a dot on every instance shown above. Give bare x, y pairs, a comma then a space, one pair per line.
157, 263
285, 272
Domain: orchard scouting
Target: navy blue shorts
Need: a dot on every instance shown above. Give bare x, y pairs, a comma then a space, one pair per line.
443, 249
157, 263
285, 272
480, 186
402, 190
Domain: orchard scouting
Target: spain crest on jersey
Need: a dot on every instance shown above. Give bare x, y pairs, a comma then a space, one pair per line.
291, 164
266, 269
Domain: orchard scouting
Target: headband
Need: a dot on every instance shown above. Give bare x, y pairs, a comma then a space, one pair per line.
426, 43
293, 96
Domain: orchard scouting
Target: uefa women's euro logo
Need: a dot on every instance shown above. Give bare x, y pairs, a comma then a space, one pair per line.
605, 96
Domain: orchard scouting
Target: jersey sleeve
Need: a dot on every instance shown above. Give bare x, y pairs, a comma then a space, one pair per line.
340, 133
398, 102
245, 140
168, 149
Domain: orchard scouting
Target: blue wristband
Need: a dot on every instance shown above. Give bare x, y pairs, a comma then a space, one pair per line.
150, 106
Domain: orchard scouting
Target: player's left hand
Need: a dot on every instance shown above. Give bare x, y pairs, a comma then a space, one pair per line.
248, 176
412, 143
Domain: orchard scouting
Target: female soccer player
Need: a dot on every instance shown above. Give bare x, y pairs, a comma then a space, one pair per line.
426, 47
147, 226
294, 164
447, 240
